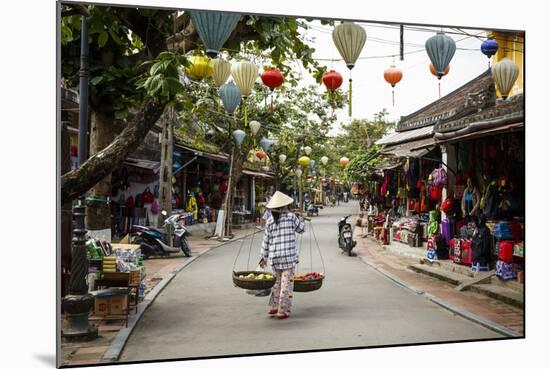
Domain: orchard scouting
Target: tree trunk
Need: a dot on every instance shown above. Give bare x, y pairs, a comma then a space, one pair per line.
166, 152
77, 182
98, 213
227, 205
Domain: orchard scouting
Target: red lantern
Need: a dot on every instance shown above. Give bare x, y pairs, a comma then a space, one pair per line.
393, 75
432, 69
260, 154
332, 80
272, 78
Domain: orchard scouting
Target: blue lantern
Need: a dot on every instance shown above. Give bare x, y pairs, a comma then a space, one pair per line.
265, 144
441, 49
238, 135
489, 47
214, 28
231, 96
312, 163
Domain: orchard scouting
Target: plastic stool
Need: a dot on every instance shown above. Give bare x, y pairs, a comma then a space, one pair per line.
478, 267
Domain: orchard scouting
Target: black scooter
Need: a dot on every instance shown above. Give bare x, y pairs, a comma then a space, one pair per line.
155, 242
345, 236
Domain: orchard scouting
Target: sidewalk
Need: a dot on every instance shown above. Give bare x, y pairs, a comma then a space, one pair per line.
397, 264
157, 270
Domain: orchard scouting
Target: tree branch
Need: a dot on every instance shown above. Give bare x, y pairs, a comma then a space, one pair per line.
97, 167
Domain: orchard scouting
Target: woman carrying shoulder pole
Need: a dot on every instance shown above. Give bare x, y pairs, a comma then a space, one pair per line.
280, 248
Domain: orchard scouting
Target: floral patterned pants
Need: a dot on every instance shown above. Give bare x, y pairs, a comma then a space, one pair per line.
281, 293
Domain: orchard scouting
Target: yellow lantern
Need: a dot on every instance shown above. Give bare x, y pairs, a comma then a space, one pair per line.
304, 161
221, 71
200, 67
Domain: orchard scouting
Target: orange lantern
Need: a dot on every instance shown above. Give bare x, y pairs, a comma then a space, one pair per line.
260, 154
344, 161
432, 69
393, 75
434, 72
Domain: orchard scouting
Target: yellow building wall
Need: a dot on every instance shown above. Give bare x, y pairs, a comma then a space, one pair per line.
510, 45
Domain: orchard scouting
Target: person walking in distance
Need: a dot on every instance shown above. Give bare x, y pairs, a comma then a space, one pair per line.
279, 247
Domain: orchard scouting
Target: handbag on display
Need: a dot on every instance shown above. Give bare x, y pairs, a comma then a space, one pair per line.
505, 270
505, 251
466, 253
155, 207
435, 193
130, 204
457, 251
147, 196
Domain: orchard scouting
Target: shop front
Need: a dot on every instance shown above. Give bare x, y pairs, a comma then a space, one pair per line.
463, 177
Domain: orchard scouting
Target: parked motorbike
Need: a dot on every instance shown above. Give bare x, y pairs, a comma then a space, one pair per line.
154, 241
345, 236
311, 209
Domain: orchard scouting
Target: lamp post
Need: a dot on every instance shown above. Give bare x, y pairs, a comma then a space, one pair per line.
78, 303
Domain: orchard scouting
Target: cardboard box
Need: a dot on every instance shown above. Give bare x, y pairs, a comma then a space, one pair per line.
111, 305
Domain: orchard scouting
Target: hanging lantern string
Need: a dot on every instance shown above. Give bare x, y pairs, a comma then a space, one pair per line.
350, 92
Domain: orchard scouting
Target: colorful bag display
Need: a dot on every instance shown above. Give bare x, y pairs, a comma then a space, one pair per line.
505, 271
457, 251
505, 251
502, 230
155, 208
447, 205
465, 253
435, 193
439, 177
147, 196
130, 204
447, 229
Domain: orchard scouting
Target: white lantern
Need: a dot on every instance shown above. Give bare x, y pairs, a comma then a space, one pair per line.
324, 160
254, 127
298, 172
307, 150
282, 157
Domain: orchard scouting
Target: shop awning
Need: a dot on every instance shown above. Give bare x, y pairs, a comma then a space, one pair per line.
405, 136
478, 130
143, 164
218, 157
414, 149
257, 174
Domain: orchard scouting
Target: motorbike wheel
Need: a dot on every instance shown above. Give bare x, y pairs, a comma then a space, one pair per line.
185, 247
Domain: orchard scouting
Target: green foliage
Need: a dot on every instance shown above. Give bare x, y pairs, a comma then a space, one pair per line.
162, 80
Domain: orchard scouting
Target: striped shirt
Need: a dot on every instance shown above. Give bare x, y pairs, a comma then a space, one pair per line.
279, 244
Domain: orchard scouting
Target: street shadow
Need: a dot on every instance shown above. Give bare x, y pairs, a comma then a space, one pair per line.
48, 359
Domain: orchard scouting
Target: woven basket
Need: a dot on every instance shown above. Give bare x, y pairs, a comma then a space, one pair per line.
307, 285
249, 284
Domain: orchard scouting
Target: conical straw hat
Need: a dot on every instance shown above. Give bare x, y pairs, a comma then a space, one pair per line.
278, 200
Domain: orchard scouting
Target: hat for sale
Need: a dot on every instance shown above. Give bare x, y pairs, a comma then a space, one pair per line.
278, 200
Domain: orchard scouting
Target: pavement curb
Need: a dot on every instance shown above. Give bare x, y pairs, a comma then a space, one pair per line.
119, 342
444, 304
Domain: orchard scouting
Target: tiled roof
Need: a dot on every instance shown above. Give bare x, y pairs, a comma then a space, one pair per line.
450, 105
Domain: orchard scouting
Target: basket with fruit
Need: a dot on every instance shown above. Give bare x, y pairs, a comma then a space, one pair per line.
253, 280
308, 282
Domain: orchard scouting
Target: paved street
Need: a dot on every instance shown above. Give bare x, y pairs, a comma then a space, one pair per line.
202, 314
